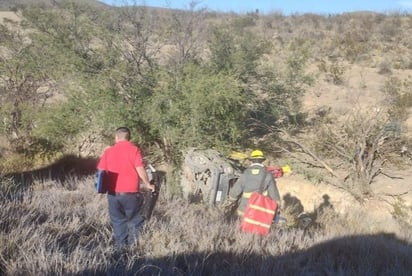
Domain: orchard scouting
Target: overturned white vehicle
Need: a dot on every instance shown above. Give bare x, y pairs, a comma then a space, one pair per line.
207, 175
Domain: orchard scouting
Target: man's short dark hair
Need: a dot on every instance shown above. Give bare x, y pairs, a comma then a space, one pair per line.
123, 132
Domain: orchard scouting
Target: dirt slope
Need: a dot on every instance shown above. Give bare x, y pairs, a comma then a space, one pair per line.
392, 200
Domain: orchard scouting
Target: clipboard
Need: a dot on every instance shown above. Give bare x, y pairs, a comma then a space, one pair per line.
101, 182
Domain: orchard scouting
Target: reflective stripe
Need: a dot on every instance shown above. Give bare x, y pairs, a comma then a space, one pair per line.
254, 222
259, 208
247, 195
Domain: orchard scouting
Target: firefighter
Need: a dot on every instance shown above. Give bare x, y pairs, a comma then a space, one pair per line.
252, 179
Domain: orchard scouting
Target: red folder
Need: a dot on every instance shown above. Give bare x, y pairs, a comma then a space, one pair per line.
259, 214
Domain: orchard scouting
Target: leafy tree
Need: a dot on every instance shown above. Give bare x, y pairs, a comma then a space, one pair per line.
285, 86
272, 90
236, 51
25, 87
104, 92
108, 67
196, 108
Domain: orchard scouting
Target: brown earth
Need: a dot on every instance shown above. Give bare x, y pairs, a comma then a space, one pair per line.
376, 213
392, 191
12, 16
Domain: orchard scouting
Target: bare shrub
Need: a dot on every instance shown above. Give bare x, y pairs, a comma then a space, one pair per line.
385, 67
353, 149
361, 141
334, 70
398, 97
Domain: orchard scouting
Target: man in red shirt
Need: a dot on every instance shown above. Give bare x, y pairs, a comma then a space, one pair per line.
124, 167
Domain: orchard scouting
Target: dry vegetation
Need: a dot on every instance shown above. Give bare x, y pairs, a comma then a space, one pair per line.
362, 65
50, 230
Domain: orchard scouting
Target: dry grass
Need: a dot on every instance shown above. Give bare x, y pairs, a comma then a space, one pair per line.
50, 230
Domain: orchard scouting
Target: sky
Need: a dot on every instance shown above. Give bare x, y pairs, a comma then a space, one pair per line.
284, 6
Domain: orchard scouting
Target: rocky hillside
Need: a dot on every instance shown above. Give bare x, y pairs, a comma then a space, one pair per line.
8, 5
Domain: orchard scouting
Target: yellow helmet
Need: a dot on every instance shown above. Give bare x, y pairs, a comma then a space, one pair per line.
239, 156
257, 154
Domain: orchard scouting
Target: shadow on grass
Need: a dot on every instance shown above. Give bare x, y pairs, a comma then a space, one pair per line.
303, 219
380, 254
61, 170
64, 171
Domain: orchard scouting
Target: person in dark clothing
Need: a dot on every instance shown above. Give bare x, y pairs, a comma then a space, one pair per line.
123, 164
254, 179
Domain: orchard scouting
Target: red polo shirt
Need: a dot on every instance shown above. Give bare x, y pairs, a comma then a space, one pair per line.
120, 161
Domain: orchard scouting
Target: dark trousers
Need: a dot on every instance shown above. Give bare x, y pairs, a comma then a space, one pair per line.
124, 212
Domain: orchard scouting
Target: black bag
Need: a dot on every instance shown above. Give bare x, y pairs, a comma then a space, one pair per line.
150, 198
